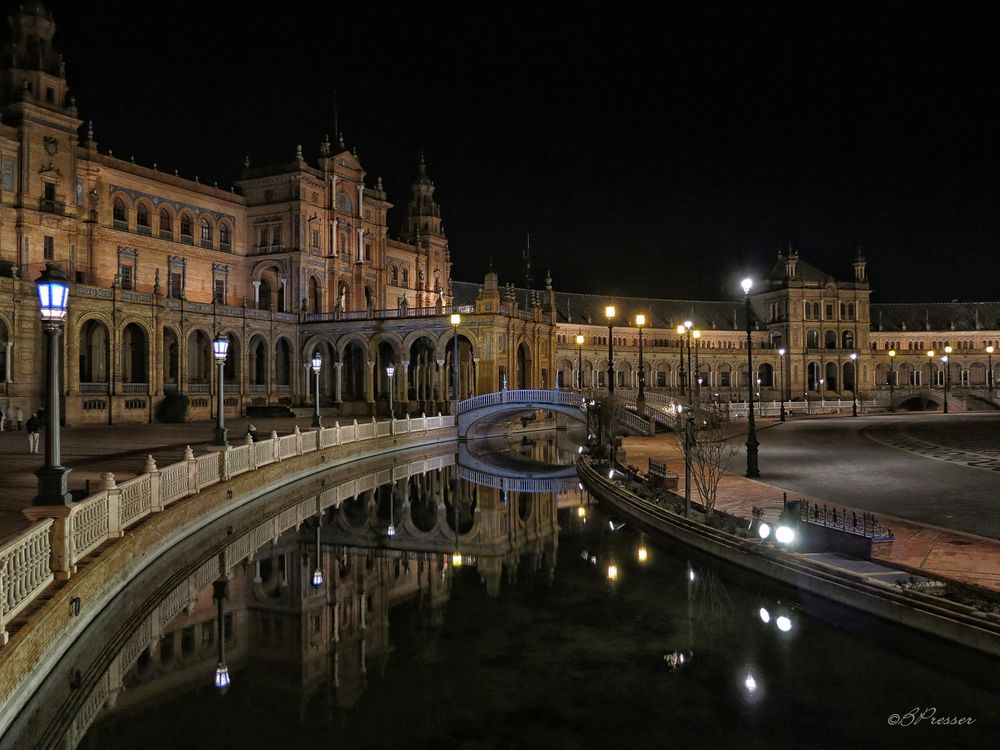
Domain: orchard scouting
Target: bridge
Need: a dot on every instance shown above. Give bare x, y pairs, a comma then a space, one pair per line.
572, 404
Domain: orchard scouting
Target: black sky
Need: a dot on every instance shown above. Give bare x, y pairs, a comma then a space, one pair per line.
665, 154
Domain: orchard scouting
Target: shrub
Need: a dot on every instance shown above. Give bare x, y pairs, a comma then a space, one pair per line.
173, 408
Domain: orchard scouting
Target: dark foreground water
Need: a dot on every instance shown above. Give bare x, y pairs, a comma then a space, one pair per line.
526, 644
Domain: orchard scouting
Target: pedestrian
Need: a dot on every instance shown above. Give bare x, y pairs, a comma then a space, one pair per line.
252, 432
19, 417
34, 425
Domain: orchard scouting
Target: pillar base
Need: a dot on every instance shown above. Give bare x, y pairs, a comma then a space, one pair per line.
317, 421
53, 486
220, 435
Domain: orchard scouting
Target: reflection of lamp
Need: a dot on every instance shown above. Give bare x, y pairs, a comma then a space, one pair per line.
220, 591
456, 558
391, 531
390, 371
220, 347
317, 577
53, 294
642, 553
612, 572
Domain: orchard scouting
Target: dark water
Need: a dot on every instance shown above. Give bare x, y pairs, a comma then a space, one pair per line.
527, 644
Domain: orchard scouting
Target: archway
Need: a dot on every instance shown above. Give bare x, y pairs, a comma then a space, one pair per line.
95, 353
812, 376
313, 295
765, 374
465, 371
171, 359
199, 368
522, 376
231, 369
257, 370
385, 354
135, 354
849, 380
422, 366
353, 386
283, 362
832, 381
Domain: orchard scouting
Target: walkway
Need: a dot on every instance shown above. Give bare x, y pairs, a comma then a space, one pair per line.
121, 449
929, 549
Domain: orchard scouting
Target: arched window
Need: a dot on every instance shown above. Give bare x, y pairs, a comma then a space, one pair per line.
224, 239
395, 275
406, 278
121, 220
187, 229
206, 233
142, 219
812, 339
166, 225
847, 340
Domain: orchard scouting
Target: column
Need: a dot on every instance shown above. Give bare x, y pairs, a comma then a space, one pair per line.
333, 237
439, 391
337, 367
361, 246
284, 294
256, 294
474, 377
9, 363
369, 382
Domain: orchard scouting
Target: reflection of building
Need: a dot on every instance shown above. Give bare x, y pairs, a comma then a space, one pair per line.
305, 640
296, 259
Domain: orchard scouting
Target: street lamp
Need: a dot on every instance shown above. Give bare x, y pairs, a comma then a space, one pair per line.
609, 313
947, 375
681, 330
456, 321
854, 384
579, 360
781, 381
53, 296
681, 409
752, 469
317, 576
989, 369
892, 377
640, 321
390, 372
696, 372
220, 347
317, 365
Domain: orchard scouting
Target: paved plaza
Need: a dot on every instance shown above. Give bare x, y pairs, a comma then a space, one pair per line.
845, 461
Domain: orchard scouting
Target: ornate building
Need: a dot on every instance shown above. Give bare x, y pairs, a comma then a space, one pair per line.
819, 322
295, 259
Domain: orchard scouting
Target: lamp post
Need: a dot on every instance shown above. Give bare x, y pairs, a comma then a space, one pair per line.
456, 321
220, 347
390, 372
53, 296
854, 384
781, 381
687, 331
753, 470
947, 375
609, 313
989, 369
696, 372
317, 365
681, 410
220, 591
892, 377
640, 321
579, 361
680, 332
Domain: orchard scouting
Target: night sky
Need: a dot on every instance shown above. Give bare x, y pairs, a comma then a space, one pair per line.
663, 155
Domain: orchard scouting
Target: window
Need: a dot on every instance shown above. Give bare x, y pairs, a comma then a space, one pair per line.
174, 285
394, 273
829, 311
314, 238
166, 225
724, 378
219, 291
125, 276
206, 233
224, 236
50, 248
176, 277
406, 278
142, 219
120, 220
50, 194
186, 229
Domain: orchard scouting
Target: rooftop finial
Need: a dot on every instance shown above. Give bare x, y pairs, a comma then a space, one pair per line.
90, 130
298, 151
246, 162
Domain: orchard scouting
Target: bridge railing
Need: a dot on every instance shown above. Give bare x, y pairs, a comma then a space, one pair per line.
54, 547
520, 396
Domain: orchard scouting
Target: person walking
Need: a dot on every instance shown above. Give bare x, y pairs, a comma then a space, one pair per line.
18, 417
34, 425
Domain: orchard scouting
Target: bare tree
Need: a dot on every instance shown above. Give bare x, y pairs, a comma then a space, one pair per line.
606, 416
711, 447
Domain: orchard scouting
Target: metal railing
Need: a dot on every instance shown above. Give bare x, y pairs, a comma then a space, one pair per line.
866, 524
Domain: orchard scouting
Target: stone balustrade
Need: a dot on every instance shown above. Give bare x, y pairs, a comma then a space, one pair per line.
64, 535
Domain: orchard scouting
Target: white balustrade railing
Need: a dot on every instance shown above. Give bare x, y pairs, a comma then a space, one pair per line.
520, 396
24, 570
28, 564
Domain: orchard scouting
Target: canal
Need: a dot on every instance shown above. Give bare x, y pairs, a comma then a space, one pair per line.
421, 605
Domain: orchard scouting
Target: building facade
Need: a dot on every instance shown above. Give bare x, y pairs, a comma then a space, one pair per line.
295, 259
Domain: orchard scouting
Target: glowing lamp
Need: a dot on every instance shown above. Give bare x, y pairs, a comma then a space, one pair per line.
317, 362
317, 578
746, 284
53, 294
222, 679
456, 319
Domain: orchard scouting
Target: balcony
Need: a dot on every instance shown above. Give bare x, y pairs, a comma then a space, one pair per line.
135, 388
144, 230
90, 388
187, 239
50, 206
166, 234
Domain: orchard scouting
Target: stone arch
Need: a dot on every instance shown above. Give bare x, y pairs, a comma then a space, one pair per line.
234, 359
206, 230
199, 356
847, 340
257, 360
565, 377
225, 234
186, 223
849, 380
351, 338
354, 375
283, 361
314, 295
765, 373
830, 339
121, 209
165, 222
419, 348
813, 376
95, 351
831, 377
135, 348
143, 216
269, 291
466, 374
171, 356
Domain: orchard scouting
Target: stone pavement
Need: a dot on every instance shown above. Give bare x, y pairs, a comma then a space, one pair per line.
121, 449
919, 547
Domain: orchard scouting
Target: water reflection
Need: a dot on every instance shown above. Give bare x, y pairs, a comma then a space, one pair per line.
335, 632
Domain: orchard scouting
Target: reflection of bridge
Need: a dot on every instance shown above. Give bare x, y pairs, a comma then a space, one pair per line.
549, 483
570, 403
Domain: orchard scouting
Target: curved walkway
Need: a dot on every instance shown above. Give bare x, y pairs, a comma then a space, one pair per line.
928, 549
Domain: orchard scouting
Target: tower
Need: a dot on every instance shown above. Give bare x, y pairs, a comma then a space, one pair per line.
423, 228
